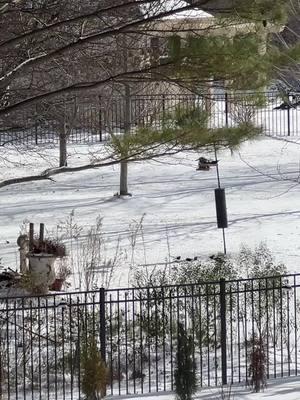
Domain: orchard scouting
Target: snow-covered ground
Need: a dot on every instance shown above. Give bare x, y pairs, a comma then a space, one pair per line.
287, 389
177, 202
263, 200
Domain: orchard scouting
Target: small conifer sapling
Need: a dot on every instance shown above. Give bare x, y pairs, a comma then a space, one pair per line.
185, 373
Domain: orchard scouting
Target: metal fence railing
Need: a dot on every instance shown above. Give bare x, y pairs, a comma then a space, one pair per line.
50, 345
94, 119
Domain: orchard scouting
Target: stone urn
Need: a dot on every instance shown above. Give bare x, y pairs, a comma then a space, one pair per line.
41, 269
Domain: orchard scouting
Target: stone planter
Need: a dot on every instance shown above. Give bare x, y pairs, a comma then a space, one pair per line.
41, 268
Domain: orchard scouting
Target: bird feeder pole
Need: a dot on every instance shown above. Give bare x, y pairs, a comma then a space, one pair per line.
220, 201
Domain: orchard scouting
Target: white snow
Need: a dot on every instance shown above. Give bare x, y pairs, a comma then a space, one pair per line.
263, 197
281, 389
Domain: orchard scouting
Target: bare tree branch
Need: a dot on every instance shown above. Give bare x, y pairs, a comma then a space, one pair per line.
111, 31
79, 18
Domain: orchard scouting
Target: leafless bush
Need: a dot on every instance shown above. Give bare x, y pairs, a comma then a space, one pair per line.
257, 365
242, 112
89, 258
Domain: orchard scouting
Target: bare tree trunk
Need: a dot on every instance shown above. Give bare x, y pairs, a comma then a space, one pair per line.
123, 178
63, 146
124, 164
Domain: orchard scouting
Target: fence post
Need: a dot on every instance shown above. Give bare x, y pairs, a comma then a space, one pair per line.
31, 234
1, 375
36, 125
42, 231
289, 119
223, 330
226, 109
102, 325
100, 117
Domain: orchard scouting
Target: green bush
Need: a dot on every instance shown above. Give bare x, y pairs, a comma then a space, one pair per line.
185, 372
94, 373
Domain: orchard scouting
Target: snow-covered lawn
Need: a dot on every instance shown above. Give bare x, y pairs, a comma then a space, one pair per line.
176, 200
283, 389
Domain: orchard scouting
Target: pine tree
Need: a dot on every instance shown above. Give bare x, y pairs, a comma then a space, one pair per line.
185, 373
93, 371
242, 63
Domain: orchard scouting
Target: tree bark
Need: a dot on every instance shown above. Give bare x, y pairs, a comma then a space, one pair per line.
63, 148
127, 124
123, 178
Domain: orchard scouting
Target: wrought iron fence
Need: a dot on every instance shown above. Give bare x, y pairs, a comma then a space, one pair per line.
94, 119
45, 339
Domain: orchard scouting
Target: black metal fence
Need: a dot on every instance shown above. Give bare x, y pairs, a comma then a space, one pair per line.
51, 345
94, 119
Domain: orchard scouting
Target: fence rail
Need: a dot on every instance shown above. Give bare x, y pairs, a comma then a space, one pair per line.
48, 343
94, 119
